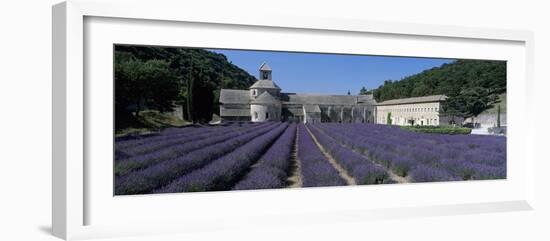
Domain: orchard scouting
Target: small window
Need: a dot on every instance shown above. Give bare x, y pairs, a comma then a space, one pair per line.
255, 115
267, 116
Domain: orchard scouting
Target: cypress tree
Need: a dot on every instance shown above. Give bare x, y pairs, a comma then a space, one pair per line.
190, 84
498, 116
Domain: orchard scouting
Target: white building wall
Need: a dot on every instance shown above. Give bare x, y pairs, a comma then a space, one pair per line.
258, 113
401, 114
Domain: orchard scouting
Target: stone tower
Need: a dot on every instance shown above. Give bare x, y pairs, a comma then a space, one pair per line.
265, 103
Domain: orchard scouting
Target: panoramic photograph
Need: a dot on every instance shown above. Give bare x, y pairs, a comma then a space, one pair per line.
199, 120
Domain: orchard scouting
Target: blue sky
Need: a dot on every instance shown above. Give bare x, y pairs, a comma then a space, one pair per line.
329, 73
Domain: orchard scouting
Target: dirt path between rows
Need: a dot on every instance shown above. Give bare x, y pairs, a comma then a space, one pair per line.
343, 173
295, 178
393, 176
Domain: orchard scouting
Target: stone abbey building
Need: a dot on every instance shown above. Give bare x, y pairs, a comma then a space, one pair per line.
423, 110
264, 101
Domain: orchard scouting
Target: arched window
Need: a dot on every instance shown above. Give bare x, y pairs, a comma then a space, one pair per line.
255, 115
254, 93
267, 116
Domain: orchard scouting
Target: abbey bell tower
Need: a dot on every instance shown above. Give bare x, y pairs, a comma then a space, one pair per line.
265, 72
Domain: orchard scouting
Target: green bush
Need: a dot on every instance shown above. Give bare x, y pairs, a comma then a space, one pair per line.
439, 129
149, 121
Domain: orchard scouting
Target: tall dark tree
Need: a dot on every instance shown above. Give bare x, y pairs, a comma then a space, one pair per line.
189, 95
498, 116
148, 83
364, 91
470, 102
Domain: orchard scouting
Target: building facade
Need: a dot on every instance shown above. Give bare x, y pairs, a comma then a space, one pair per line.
422, 111
264, 101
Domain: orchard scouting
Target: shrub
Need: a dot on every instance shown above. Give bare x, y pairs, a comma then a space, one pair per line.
449, 130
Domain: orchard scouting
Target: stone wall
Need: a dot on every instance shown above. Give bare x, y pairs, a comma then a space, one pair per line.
487, 120
261, 113
347, 114
177, 112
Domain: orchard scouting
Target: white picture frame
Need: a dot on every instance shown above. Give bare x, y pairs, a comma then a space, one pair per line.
77, 194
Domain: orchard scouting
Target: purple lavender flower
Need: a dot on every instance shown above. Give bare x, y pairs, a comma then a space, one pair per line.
363, 170
155, 176
461, 156
133, 163
222, 173
424, 173
316, 169
272, 168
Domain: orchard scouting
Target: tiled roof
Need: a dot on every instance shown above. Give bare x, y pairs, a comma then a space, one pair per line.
421, 99
228, 96
366, 99
318, 99
265, 98
234, 112
265, 84
265, 67
312, 108
294, 111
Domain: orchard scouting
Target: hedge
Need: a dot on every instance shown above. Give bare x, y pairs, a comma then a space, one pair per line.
439, 129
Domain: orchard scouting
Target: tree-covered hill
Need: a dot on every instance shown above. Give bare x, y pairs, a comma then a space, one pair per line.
471, 85
159, 77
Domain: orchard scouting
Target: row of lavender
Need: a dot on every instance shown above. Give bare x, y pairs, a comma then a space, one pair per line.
425, 157
316, 170
162, 169
274, 166
127, 141
360, 167
224, 172
139, 154
256, 156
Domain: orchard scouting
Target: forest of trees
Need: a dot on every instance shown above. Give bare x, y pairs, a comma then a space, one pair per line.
471, 85
159, 78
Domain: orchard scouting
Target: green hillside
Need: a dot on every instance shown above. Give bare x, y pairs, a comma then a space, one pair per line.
502, 103
157, 78
471, 85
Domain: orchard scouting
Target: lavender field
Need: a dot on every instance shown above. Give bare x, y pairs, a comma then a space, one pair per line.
244, 156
